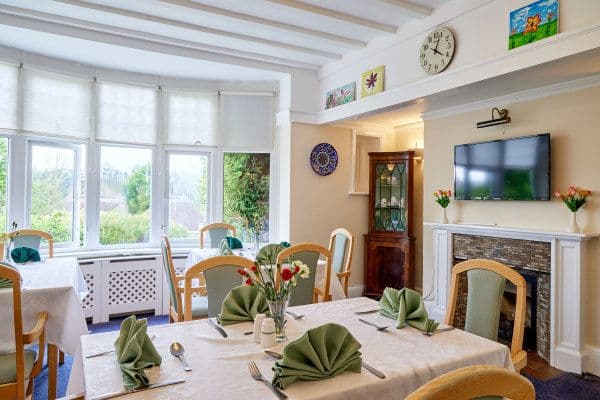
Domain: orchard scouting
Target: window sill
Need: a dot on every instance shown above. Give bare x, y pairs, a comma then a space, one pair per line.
90, 255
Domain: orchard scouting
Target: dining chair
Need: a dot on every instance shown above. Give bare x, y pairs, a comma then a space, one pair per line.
29, 238
341, 246
216, 232
220, 276
18, 369
476, 382
306, 291
486, 281
176, 305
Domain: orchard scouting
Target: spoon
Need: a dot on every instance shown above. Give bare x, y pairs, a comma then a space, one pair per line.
177, 350
379, 328
294, 315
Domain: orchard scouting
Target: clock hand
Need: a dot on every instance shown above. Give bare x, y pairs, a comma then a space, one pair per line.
435, 50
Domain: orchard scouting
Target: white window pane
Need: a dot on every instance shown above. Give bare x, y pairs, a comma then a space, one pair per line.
191, 118
246, 180
125, 193
8, 96
57, 104
247, 121
126, 113
3, 181
188, 194
52, 190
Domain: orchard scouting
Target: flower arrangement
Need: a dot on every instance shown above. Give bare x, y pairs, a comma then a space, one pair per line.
574, 198
442, 197
264, 280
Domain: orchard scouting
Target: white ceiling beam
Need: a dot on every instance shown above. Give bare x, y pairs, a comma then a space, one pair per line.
326, 12
337, 39
410, 9
94, 32
198, 28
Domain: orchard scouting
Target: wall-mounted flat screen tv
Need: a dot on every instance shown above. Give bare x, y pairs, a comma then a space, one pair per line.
511, 169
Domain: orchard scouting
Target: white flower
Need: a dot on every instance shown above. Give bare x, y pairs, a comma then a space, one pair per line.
304, 271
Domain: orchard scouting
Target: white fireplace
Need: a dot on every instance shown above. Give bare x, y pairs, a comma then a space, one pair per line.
569, 254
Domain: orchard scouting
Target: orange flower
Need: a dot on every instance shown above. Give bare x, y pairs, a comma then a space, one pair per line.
532, 23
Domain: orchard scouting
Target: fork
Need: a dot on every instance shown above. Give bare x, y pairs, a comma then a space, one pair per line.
379, 328
257, 376
294, 315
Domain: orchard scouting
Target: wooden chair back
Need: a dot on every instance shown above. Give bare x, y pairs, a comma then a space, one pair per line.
303, 251
474, 382
215, 226
31, 232
519, 356
342, 256
17, 389
216, 289
175, 303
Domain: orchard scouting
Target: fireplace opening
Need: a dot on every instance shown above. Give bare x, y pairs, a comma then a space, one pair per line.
507, 313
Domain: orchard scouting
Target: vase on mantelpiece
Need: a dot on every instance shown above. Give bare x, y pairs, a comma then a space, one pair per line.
444, 215
573, 225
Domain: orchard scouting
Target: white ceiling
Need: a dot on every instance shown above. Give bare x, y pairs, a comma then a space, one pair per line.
194, 38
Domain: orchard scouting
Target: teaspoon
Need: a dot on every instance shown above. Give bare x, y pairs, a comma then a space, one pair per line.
177, 350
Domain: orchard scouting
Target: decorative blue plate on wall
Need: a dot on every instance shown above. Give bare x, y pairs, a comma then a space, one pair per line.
323, 159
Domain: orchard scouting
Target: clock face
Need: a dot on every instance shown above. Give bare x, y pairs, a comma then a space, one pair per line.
437, 51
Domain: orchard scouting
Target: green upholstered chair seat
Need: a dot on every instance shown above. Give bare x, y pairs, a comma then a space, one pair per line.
484, 299
8, 366
199, 306
339, 253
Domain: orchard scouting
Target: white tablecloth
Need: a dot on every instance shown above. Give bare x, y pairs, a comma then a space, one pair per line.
335, 287
55, 285
407, 357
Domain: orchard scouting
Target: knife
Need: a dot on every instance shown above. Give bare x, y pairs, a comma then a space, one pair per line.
217, 327
365, 312
366, 366
126, 391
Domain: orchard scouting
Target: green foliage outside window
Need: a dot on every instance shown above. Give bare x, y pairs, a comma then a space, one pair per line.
138, 190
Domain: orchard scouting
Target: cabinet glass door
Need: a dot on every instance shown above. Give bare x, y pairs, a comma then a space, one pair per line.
390, 197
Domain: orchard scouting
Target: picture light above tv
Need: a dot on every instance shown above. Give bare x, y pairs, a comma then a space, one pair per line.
510, 169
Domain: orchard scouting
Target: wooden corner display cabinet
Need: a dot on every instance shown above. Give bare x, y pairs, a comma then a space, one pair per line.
390, 244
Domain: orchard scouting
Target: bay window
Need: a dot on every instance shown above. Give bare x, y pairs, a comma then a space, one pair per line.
3, 182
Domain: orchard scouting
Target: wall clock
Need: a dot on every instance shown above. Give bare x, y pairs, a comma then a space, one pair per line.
437, 51
323, 159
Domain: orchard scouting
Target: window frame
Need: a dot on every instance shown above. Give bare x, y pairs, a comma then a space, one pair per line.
186, 150
60, 144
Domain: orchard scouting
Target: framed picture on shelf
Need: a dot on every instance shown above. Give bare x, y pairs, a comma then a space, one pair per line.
536, 21
342, 95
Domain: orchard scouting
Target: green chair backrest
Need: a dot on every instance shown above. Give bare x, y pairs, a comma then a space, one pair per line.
31, 241
5, 282
484, 298
303, 293
219, 282
339, 253
167, 269
215, 236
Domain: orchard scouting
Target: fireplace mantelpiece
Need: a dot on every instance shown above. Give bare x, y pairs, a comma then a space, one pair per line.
569, 254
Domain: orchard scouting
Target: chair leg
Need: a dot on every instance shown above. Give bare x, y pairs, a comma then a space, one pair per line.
61, 357
52, 370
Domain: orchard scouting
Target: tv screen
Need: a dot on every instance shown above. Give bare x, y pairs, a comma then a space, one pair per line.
511, 169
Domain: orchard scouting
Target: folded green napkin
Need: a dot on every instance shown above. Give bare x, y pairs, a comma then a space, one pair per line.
242, 304
224, 249
135, 352
234, 243
322, 352
268, 254
406, 306
22, 255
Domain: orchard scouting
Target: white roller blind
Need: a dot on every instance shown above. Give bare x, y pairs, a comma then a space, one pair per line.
56, 104
126, 113
191, 118
8, 96
247, 120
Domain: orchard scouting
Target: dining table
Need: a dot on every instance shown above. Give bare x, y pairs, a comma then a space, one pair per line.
335, 287
56, 286
219, 365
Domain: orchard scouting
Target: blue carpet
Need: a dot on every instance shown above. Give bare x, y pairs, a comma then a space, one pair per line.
564, 386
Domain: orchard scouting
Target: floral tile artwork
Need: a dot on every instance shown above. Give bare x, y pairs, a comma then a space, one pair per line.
372, 81
342, 95
533, 22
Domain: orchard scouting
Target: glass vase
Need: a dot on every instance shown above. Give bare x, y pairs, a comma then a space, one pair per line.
277, 309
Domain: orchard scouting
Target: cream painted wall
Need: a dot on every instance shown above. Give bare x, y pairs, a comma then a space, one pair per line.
321, 204
573, 119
